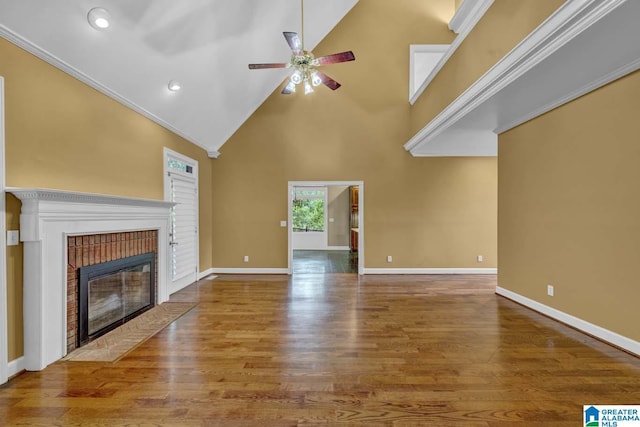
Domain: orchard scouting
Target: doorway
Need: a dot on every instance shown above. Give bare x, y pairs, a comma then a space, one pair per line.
318, 211
181, 187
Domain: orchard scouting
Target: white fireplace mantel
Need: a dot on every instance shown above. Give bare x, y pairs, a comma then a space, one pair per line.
48, 217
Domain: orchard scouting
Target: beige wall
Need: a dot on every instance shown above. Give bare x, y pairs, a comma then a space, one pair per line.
338, 209
504, 25
569, 208
438, 212
62, 134
14, 283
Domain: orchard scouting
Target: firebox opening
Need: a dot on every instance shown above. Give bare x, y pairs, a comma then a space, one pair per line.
114, 292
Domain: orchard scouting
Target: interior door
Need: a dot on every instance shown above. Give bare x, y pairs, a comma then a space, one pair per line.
182, 190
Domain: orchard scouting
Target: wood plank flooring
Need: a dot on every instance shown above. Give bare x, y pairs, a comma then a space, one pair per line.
337, 350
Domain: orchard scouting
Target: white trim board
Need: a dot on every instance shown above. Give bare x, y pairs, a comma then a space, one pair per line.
337, 248
430, 271
217, 270
423, 59
15, 366
4, 344
582, 325
205, 273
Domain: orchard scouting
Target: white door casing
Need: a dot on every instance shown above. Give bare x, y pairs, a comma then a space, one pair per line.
181, 187
4, 345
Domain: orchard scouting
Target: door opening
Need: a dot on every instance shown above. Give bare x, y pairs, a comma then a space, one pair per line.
321, 230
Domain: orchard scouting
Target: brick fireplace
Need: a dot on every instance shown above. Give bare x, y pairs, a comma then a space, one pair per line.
95, 249
97, 227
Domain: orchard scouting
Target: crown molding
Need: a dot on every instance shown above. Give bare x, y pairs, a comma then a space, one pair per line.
213, 154
468, 14
74, 72
572, 19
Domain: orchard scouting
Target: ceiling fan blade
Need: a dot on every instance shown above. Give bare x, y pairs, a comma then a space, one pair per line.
328, 81
336, 57
273, 65
295, 43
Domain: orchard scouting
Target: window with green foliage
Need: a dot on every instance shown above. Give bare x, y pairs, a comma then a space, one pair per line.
308, 209
308, 215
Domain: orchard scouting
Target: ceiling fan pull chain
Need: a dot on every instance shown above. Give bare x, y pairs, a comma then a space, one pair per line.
302, 19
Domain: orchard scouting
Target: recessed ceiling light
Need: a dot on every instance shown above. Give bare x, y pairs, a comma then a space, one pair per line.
98, 18
174, 86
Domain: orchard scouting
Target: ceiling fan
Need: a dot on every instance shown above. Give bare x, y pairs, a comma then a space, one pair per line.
305, 65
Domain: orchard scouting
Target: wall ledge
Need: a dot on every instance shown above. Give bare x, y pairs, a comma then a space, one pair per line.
580, 47
463, 21
49, 195
603, 334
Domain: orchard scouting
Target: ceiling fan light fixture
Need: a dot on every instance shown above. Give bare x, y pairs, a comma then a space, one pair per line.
99, 18
305, 64
307, 88
296, 77
291, 87
315, 79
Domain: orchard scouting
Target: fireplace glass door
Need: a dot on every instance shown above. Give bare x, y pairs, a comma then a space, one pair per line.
118, 295
114, 292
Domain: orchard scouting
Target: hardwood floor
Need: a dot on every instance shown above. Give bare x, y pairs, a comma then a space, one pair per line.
338, 350
323, 262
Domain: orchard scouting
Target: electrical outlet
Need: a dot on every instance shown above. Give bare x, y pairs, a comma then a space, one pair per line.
389, 258
283, 223
246, 258
13, 237
550, 290
480, 258
331, 220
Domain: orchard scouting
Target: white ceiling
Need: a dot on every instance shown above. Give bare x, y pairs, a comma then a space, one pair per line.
204, 44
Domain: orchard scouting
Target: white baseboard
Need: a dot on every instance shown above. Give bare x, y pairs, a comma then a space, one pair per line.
430, 271
604, 334
203, 274
15, 366
249, 270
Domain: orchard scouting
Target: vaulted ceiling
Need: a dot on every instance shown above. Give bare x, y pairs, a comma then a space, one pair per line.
204, 44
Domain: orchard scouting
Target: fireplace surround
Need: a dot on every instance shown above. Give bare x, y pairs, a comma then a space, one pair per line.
48, 218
